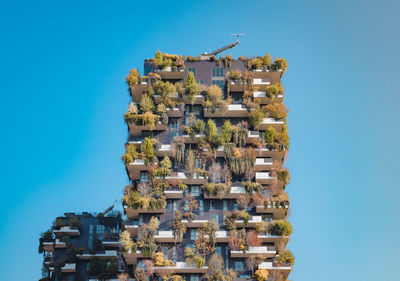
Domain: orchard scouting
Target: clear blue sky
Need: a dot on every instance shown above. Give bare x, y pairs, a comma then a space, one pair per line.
62, 68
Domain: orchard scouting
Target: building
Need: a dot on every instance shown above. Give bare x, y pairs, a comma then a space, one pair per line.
82, 247
205, 159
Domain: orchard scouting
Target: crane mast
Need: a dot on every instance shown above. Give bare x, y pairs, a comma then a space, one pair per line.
206, 56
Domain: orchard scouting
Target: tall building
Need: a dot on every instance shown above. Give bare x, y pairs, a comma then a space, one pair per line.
205, 160
207, 144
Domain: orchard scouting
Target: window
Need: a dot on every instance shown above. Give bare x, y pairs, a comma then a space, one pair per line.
91, 236
192, 69
175, 205
195, 190
165, 251
220, 83
200, 82
239, 266
267, 217
194, 278
212, 205
201, 207
226, 257
262, 135
169, 206
174, 255
217, 72
147, 70
225, 205
100, 232
173, 135
194, 234
235, 206
218, 250
174, 123
144, 176
215, 217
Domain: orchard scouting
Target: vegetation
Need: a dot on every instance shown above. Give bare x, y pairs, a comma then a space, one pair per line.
226, 131
191, 87
191, 204
284, 176
164, 170
133, 77
286, 257
281, 64
218, 189
160, 261
193, 258
280, 228
178, 226
216, 270
261, 274
179, 153
276, 110
256, 117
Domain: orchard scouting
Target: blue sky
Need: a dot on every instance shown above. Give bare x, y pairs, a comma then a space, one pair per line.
62, 68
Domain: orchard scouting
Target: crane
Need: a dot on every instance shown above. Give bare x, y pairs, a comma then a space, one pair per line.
224, 48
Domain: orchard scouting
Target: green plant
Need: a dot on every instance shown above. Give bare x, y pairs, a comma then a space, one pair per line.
266, 60
190, 164
270, 135
226, 131
261, 274
148, 149
286, 257
146, 103
213, 98
133, 77
191, 87
272, 91
240, 135
276, 110
199, 261
256, 63
281, 228
179, 153
178, 226
212, 136
164, 170
159, 260
158, 58
281, 64
252, 187
256, 117
198, 126
284, 176
260, 226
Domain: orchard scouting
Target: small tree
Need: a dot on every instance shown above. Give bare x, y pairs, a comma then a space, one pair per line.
190, 164
214, 172
281, 228
252, 262
266, 60
276, 110
227, 131
133, 77
140, 275
243, 201
148, 149
191, 205
226, 174
165, 273
252, 239
178, 227
153, 225
191, 87
270, 135
281, 64
256, 117
261, 274
146, 104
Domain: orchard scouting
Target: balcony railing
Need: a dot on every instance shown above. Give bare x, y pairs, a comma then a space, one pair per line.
184, 267
265, 251
99, 255
67, 230
233, 110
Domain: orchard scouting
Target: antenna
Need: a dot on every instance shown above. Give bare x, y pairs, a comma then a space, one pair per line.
224, 48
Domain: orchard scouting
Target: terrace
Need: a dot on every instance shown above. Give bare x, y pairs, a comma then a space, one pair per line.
264, 251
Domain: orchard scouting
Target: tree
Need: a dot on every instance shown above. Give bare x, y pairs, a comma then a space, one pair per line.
243, 201
281, 228
281, 64
149, 267
165, 273
277, 110
191, 87
252, 262
153, 225
270, 135
148, 149
146, 103
191, 205
286, 257
266, 60
190, 164
164, 170
140, 275
178, 226
226, 174
203, 246
261, 274
256, 117
133, 77
214, 172
158, 58
252, 239
227, 131
123, 277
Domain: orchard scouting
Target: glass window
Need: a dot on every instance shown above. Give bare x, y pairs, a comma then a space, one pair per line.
215, 217
91, 236
174, 123
194, 234
235, 206
219, 83
239, 266
174, 255
200, 82
165, 251
194, 278
144, 176
201, 207
225, 205
192, 69
195, 190
226, 257
217, 72
262, 135
218, 250
212, 205
175, 205
100, 232
169, 206
173, 135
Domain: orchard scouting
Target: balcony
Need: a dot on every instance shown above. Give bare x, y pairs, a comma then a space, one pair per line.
283, 268
195, 223
263, 164
184, 267
265, 251
173, 194
261, 97
136, 130
131, 257
48, 246
67, 268
174, 97
196, 179
189, 139
111, 243
175, 112
166, 236
165, 150
168, 74
272, 76
271, 122
234, 110
60, 244
275, 154
236, 86
198, 99
234, 193
251, 223
265, 178
66, 230
253, 136
278, 209
107, 254
132, 227
137, 91
134, 213
135, 167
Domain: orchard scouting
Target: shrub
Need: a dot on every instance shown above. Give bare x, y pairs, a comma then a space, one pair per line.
276, 110
164, 170
146, 103
256, 63
199, 261
272, 90
256, 117
260, 226
213, 98
159, 260
133, 77
158, 58
127, 158
261, 274
198, 126
226, 131
191, 87
266, 60
148, 149
179, 153
283, 175
270, 135
286, 257
281, 64
281, 228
